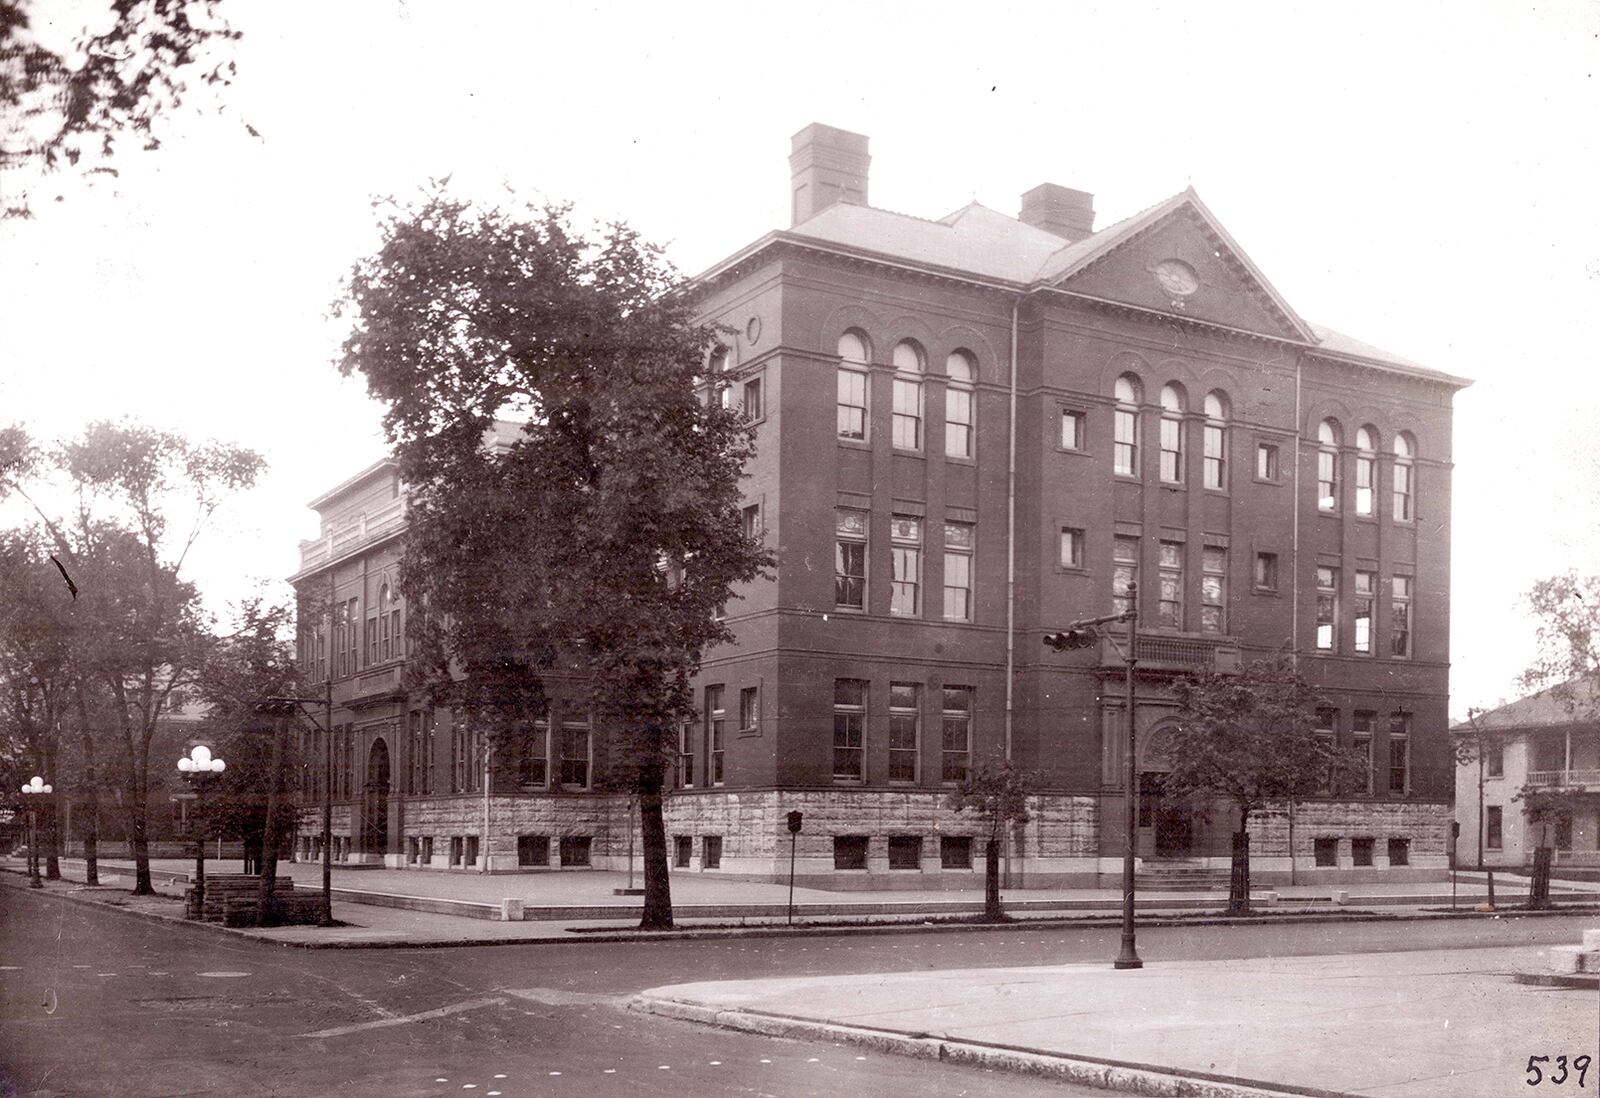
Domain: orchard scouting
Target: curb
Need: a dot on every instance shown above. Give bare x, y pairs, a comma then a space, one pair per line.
1091, 1071
609, 936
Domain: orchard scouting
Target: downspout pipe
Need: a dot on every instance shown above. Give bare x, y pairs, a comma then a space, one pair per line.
1011, 535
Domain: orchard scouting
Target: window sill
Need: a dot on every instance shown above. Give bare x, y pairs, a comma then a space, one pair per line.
1132, 478
908, 453
957, 459
1272, 591
1075, 569
1080, 451
1277, 482
854, 443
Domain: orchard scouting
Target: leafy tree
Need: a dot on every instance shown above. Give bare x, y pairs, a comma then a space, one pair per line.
997, 793
601, 529
1249, 739
69, 107
141, 499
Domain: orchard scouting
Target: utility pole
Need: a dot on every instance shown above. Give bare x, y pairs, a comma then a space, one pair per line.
1083, 634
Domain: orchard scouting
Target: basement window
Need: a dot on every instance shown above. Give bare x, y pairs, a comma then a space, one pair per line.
575, 849
1361, 851
849, 852
905, 851
1327, 851
711, 852
1399, 852
955, 852
533, 850
683, 850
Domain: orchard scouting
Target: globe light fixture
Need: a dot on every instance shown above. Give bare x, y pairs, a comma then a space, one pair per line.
35, 787
198, 767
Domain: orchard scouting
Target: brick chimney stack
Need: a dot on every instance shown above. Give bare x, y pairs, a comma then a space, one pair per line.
826, 165
1060, 210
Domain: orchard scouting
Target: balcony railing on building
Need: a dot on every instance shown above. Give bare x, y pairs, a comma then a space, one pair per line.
1176, 652
1564, 777
352, 535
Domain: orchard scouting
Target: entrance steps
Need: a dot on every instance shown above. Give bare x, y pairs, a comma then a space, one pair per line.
1179, 875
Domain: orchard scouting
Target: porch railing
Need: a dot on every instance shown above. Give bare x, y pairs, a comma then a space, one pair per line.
1564, 777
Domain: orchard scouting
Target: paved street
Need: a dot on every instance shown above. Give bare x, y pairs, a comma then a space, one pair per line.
194, 1012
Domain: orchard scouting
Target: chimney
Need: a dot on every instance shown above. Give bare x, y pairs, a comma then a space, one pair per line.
826, 166
1060, 210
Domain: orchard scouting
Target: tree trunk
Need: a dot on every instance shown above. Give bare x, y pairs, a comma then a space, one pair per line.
653, 837
1239, 879
139, 835
992, 911
266, 897
91, 783
1539, 887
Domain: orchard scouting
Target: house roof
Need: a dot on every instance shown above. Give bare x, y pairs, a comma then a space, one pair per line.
977, 242
1571, 702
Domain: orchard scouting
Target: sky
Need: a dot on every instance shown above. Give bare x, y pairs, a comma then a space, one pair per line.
1417, 175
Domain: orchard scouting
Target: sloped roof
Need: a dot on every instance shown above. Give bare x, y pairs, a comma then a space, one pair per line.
1573, 702
982, 243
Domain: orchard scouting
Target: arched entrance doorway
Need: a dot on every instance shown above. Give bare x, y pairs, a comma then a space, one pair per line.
1166, 824
375, 807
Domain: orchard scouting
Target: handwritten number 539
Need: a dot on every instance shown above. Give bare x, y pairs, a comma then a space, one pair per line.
1559, 1075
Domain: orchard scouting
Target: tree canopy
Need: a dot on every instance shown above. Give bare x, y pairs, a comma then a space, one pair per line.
572, 489
69, 107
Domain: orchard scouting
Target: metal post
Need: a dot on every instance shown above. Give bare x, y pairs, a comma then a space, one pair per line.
327, 784
33, 850
792, 838
199, 861
1129, 957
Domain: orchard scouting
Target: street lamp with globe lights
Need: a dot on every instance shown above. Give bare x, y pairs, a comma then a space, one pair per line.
37, 787
198, 767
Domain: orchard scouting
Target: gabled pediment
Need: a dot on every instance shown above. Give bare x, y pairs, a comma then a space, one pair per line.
1176, 258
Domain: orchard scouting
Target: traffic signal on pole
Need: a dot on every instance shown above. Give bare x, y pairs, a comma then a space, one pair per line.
1072, 638
275, 707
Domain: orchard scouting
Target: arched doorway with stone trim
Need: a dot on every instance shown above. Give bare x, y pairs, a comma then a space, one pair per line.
375, 803
1166, 823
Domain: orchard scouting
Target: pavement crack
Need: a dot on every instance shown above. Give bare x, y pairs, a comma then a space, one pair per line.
426, 1015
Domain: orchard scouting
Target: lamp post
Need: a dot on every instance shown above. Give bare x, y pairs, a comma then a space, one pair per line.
197, 768
1082, 634
38, 787
285, 706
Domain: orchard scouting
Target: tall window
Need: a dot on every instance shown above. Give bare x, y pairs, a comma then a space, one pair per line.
749, 709
1266, 572
575, 754
1327, 736
1400, 753
1328, 465
1125, 428
849, 729
1494, 827
958, 404
686, 755
375, 623
1404, 450
750, 522
754, 407
958, 545
1070, 554
1169, 611
852, 386
1266, 461
1362, 724
1072, 430
460, 756
1365, 586
1214, 441
907, 421
1366, 463
956, 737
419, 752
1327, 608
1213, 589
1400, 618
905, 544
905, 718
850, 560
535, 765
1171, 434
1124, 572
716, 725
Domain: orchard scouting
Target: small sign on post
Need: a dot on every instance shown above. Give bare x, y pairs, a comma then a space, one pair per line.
795, 819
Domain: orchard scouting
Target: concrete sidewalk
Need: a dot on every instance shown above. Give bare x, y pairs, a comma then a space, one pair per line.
1401, 1025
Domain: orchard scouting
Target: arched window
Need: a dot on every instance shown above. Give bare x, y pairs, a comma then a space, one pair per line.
1366, 461
1125, 426
1172, 433
853, 358
1328, 465
958, 404
907, 419
1215, 441
1405, 448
